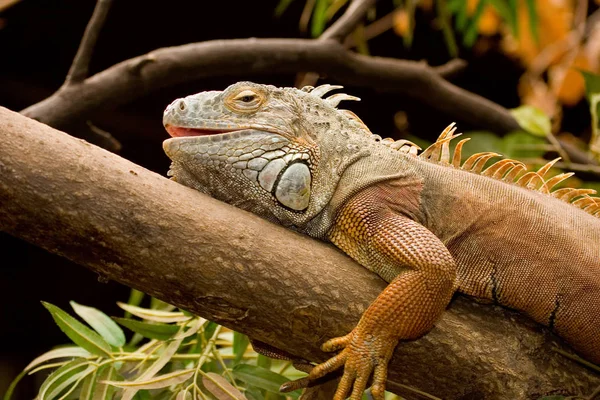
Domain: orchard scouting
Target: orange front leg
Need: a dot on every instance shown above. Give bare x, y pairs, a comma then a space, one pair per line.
425, 280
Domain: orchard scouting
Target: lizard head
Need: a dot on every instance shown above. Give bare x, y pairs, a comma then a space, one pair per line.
277, 152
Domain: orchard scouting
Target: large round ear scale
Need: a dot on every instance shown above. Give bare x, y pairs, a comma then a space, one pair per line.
293, 187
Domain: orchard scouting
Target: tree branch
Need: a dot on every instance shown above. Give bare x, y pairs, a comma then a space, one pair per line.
338, 32
287, 290
348, 21
141, 75
79, 68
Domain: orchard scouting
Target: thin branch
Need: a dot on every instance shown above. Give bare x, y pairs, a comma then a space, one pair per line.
79, 68
338, 32
165, 67
348, 21
282, 288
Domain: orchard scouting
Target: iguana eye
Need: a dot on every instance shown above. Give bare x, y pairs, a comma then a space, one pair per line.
246, 100
246, 96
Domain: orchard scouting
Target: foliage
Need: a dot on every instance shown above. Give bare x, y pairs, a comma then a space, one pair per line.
172, 355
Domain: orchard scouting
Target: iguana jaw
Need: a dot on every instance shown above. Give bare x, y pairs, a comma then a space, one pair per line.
217, 128
176, 131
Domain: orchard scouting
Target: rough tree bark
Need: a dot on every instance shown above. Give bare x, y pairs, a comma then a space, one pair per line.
140, 229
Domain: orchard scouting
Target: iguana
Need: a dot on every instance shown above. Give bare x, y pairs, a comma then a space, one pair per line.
426, 223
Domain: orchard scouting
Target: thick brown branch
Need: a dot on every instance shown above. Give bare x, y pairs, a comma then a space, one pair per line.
79, 69
141, 75
140, 229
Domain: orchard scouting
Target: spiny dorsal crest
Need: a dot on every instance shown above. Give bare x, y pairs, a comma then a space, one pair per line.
403, 146
507, 170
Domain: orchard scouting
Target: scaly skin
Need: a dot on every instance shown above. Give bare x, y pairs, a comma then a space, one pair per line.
426, 227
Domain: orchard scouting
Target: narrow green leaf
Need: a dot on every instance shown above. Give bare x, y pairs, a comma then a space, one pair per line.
13, 385
471, 33
592, 83
240, 344
161, 381
264, 361
78, 332
318, 18
154, 315
282, 6
157, 304
160, 362
149, 330
64, 377
106, 327
592, 89
533, 20
444, 17
253, 393
135, 299
505, 13
261, 378
209, 329
462, 19
193, 328
103, 391
520, 145
87, 386
62, 352
221, 388
532, 120
410, 9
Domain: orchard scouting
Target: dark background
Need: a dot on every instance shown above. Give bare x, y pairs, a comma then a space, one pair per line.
38, 40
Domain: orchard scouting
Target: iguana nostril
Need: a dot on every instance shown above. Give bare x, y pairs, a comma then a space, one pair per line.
182, 105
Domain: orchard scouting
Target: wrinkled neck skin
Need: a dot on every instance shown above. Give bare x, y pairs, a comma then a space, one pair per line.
382, 166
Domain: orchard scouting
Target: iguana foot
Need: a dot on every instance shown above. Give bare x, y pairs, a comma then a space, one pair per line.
363, 353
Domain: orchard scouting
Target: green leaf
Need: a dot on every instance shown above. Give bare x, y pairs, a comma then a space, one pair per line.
62, 352
157, 304
592, 83
102, 391
192, 328
505, 13
149, 330
532, 120
221, 388
262, 378
157, 382
462, 18
106, 327
319, 18
471, 33
154, 315
78, 332
445, 23
520, 145
240, 344
160, 362
68, 375
135, 299
13, 385
264, 361
592, 88
87, 386
282, 6
533, 20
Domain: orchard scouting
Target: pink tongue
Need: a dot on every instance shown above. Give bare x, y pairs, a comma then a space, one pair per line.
175, 131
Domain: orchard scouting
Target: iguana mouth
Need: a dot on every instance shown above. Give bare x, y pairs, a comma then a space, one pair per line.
176, 131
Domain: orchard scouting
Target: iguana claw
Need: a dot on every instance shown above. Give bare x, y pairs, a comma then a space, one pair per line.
362, 354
